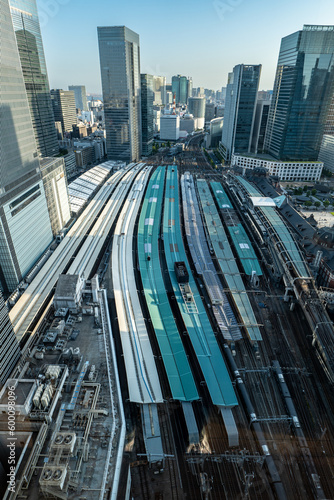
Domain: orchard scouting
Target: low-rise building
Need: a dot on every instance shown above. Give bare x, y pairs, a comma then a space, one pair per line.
285, 170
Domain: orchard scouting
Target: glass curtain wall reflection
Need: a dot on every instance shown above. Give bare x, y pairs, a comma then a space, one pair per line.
303, 91
29, 40
120, 75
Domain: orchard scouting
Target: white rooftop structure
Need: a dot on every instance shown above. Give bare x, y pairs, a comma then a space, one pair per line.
261, 201
84, 186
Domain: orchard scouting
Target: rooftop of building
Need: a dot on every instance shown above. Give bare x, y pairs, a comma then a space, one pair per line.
67, 285
74, 427
268, 157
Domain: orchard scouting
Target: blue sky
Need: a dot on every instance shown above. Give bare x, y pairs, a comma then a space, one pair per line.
198, 38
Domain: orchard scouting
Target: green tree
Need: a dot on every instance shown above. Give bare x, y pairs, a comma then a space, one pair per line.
308, 193
305, 188
317, 204
308, 203
326, 203
168, 144
314, 192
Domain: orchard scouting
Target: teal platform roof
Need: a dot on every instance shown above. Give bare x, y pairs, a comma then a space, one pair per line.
176, 363
197, 323
238, 234
281, 230
227, 261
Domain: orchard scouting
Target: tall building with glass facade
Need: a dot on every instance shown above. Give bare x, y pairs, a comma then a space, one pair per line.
64, 109
196, 107
29, 41
159, 86
79, 96
182, 88
302, 96
240, 103
147, 96
260, 125
120, 75
25, 229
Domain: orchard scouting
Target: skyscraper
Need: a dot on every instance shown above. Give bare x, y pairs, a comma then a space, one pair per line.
159, 86
196, 107
120, 75
147, 94
64, 109
303, 90
182, 88
29, 41
260, 125
25, 229
176, 88
241, 96
79, 96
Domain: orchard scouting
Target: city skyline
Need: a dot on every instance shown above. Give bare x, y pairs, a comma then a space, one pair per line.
228, 30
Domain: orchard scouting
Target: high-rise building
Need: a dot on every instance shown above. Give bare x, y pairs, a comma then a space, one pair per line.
190, 88
183, 90
210, 111
25, 229
260, 125
302, 95
120, 75
159, 84
169, 98
176, 88
147, 93
29, 41
9, 347
64, 109
196, 107
181, 86
240, 103
79, 96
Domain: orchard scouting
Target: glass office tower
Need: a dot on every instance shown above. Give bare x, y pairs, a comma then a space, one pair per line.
240, 103
120, 75
182, 88
79, 96
25, 229
302, 96
64, 110
176, 88
147, 96
29, 41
